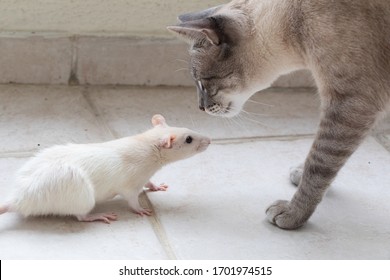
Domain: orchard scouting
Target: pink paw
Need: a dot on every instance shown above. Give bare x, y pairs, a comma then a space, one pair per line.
153, 188
104, 217
144, 211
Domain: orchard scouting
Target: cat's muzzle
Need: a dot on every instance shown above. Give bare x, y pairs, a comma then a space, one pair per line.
208, 104
203, 98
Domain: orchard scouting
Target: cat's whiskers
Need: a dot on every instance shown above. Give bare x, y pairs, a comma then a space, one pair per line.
182, 69
226, 122
243, 122
181, 60
249, 113
254, 114
235, 121
246, 118
260, 103
192, 120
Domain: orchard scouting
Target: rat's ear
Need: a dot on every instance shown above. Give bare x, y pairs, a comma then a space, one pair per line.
166, 142
159, 120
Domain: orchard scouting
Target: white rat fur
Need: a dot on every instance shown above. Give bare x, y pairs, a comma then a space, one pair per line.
71, 179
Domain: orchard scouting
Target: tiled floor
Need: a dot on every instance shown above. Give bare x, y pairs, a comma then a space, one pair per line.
215, 205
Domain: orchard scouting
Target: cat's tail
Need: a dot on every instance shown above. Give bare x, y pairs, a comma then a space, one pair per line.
4, 209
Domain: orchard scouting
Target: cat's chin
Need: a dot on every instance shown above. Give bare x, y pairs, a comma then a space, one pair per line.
229, 105
224, 115
228, 111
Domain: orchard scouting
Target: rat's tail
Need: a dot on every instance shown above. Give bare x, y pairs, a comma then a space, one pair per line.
4, 209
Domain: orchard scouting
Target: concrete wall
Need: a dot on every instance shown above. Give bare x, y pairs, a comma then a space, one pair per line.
130, 17
99, 42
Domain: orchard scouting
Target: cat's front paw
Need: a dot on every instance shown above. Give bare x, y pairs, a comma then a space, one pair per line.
283, 215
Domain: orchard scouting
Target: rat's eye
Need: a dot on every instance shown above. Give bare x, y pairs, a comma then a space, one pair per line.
189, 139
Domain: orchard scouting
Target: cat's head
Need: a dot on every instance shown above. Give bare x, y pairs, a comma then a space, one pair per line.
221, 63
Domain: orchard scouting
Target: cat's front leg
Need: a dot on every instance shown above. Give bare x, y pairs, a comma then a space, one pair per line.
343, 126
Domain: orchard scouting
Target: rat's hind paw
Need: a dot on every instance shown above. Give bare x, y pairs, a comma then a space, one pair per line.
143, 211
104, 217
138, 209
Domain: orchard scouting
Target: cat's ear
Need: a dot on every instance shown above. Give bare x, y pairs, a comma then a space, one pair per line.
199, 15
197, 30
217, 29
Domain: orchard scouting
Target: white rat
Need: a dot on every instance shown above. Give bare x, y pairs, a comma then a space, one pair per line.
71, 179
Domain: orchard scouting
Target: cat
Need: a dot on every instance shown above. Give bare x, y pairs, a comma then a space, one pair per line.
240, 48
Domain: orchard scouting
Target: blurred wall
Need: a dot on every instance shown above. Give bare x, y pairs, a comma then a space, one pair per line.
131, 17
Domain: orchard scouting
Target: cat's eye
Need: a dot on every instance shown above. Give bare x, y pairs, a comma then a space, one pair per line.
189, 140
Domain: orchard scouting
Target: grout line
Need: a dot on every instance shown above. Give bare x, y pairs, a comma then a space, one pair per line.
238, 140
96, 112
73, 79
158, 227
17, 154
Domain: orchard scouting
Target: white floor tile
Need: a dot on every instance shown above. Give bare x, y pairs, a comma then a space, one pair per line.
217, 201
34, 117
215, 206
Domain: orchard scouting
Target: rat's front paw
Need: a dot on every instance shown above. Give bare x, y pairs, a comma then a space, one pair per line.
283, 215
154, 188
